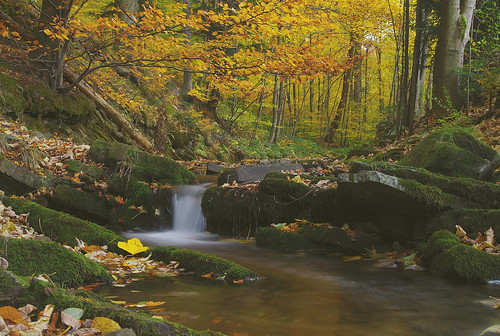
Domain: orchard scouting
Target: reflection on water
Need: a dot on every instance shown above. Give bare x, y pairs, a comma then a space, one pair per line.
313, 295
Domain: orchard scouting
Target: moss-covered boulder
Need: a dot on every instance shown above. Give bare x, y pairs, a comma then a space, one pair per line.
203, 263
471, 220
254, 173
10, 288
63, 266
447, 256
75, 166
476, 193
19, 180
454, 152
62, 227
139, 164
42, 293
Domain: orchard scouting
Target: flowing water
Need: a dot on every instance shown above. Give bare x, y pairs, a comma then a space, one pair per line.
311, 295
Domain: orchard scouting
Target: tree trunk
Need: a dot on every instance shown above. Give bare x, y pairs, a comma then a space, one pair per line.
116, 116
403, 117
456, 17
187, 82
419, 62
274, 127
128, 9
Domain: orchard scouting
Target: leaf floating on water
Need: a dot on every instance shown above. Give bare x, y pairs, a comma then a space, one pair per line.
208, 276
351, 258
237, 281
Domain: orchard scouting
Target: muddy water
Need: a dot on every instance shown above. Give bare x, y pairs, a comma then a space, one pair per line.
312, 295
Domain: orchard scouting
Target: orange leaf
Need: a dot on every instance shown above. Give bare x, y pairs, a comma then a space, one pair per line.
351, 258
11, 313
238, 281
208, 276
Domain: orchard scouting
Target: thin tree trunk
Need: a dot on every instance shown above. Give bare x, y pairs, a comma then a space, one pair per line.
187, 80
403, 117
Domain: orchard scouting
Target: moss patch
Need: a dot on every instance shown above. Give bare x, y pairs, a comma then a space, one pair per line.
63, 266
428, 194
62, 227
453, 152
471, 220
202, 263
11, 96
446, 256
285, 190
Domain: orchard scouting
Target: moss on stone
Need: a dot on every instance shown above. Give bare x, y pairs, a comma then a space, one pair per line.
471, 220
75, 166
446, 256
428, 194
284, 190
140, 321
203, 263
62, 227
63, 266
99, 152
314, 179
453, 152
480, 192
11, 96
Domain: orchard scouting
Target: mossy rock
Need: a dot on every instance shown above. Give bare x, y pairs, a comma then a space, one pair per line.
314, 179
63, 266
12, 100
139, 164
10, 288
284, 190
75, 166
447, 256
471, 220
62, 227
203, 263
142, 322
479, 193
454, 152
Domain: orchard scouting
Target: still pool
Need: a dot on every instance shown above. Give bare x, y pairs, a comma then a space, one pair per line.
312, 295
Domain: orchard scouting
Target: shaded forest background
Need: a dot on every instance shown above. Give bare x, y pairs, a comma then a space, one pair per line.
225, 79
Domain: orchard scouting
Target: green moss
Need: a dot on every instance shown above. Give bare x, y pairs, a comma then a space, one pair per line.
11, 96
62, 227
99, 152
447, 256
471, 220
63, 266
7, 282
314, 179
428, 194
140, 321
467, 263
453, 152
285, 190
202, 263
467, 188
75, 166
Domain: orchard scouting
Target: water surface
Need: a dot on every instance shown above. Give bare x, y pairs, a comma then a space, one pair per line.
312, 295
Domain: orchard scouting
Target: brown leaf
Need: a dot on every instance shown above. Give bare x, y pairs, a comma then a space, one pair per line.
10, 313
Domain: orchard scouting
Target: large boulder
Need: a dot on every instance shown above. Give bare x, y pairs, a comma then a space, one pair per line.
480, 194
454, 152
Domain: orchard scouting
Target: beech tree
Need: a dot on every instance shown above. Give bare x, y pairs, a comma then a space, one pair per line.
454, 27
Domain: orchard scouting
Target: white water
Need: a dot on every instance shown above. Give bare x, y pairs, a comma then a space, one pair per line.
186, 206
188, 222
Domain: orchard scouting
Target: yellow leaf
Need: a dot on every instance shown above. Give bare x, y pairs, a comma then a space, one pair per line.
132, 246
105, 325
11, 313
351, 258
154, 303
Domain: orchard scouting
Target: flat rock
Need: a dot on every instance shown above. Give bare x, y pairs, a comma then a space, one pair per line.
251, 173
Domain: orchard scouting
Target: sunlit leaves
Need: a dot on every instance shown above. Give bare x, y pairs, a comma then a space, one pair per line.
132, 246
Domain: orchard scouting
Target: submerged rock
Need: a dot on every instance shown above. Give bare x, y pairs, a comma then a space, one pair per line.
454, 152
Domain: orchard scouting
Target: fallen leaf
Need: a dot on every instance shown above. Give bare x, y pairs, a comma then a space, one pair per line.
132, 246
10, 313
105, 325
237, 281
208, 276
351, 258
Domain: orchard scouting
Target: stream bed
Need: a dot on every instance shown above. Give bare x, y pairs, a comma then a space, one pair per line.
311, 295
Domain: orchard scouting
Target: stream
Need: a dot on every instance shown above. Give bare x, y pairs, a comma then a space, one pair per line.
308, 295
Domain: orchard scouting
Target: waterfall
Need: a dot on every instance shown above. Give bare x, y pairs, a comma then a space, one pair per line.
186, 208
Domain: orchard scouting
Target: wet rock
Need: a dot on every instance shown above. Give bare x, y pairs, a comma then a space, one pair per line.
213, 169
454, 152
249, 174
